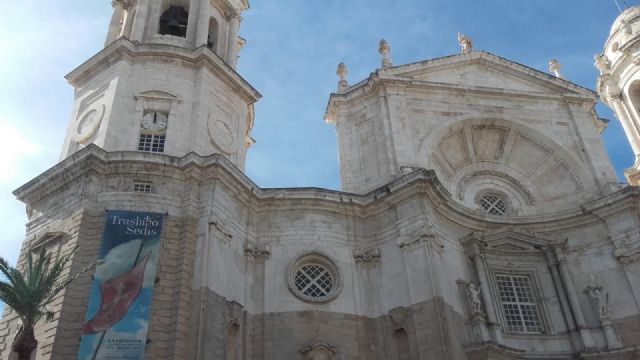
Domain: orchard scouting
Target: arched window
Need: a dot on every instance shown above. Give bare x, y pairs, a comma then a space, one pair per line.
212, 39
493, 204
634, 96
174, 21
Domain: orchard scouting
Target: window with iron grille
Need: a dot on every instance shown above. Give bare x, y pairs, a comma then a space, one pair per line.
141, 187
314, 280
493, 204
518, 304
151, 142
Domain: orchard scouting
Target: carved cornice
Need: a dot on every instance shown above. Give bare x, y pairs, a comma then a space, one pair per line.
125, 49
93, 163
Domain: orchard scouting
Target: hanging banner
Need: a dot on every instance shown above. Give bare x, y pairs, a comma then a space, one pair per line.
118, 313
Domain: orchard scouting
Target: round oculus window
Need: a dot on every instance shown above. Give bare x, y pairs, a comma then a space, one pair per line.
314, 278
493, 204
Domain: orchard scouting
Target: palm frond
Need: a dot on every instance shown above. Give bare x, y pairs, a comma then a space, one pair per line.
30, 292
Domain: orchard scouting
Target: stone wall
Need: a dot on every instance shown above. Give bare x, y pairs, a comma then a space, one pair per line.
401, 257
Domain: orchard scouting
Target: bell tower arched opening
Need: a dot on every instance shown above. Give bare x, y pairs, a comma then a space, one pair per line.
634, 96
212, 38
174, 21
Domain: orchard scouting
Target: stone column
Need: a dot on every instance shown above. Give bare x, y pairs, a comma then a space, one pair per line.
479, 260
629, 127
127, 23
585, 332
139, 21
561, 292
115, 26
232, 42
202, 32
192, 26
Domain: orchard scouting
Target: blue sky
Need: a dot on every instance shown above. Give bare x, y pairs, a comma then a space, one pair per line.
291, 57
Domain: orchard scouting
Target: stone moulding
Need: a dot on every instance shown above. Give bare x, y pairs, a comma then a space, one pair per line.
93, 160
490, 173
124, 48
406, 243
222, 229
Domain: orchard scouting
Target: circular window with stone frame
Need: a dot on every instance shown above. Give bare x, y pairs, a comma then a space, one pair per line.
314, 278
493, 203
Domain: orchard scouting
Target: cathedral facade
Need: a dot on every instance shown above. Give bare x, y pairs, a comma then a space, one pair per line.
480, 216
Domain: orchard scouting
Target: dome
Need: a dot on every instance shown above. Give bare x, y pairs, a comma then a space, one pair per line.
626, 16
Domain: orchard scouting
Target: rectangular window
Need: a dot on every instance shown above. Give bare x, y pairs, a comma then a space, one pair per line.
142, 187
518, 304
151, 142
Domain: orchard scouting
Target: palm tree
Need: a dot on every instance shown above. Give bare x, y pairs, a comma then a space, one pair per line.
30, 292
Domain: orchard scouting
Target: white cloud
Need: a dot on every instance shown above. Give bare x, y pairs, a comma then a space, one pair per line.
16, 150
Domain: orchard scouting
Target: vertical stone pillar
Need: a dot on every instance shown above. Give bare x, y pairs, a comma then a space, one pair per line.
139, 21
481, 268
552, 262
115, 26
202, 32
192, 25
232, 42
585, 332
627, 123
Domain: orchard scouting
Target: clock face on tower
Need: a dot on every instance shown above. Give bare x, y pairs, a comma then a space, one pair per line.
155, 121
88, 123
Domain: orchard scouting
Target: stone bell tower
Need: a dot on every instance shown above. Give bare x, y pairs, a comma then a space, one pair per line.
166, 82
619, 80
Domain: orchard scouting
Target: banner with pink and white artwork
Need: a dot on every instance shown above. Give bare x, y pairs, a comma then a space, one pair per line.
118, 312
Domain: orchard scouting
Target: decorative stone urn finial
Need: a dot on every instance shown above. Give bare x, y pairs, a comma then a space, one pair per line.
384, 50
555, 67
342, 72
465, 43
